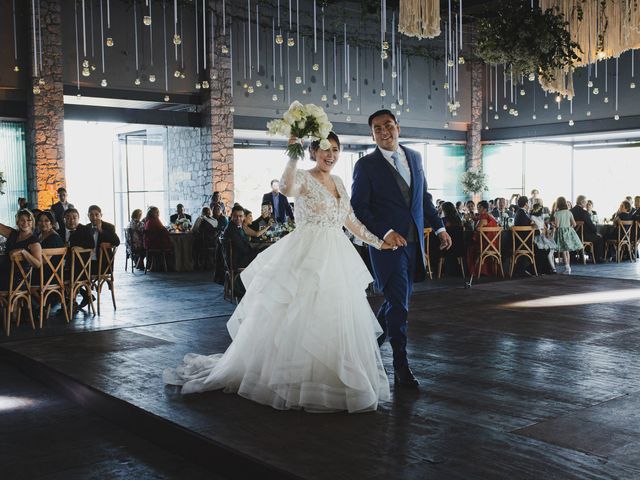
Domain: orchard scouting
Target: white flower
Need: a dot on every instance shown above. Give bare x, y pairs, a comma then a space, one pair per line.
325, 144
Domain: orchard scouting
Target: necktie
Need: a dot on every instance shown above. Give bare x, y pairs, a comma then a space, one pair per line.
401, 168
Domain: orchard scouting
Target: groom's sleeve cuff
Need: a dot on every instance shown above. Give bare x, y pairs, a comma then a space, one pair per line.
440, 230
385, 235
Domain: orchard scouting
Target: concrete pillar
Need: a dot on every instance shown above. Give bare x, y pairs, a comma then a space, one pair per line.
473, 154
217, 112
45, 122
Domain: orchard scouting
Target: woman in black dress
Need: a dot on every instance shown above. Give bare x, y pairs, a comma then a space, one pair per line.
48, 237
19, 241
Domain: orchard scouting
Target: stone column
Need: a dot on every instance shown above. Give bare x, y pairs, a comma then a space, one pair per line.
45, 122
217, 112
473, 154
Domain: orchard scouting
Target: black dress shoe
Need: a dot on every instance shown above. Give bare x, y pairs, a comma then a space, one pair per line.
403, 378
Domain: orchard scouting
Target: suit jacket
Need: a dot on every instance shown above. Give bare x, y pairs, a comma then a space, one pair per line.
581, 215
378, 202
80, 237
242, 252
284, 209
108, 235
58, 211
174, 217
522, 218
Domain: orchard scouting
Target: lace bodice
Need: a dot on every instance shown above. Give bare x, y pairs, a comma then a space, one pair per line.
315, 205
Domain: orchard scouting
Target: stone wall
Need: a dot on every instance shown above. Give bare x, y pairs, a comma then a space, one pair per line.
189, 172
473, 154
45, 132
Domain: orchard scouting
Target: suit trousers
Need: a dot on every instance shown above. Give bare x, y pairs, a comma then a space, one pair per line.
392, 315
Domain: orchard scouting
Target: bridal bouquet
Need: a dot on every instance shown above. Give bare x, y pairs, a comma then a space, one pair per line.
302, 121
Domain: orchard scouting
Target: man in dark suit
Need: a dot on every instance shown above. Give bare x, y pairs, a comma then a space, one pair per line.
522, 218
389, 195
242, 253
281, 208
179, 215
580, 214
61, 206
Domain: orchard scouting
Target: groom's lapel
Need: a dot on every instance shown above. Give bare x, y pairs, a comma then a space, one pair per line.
391, 171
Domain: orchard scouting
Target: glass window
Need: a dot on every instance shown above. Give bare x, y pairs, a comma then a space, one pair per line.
443, 166
503, 165
13, 165
548, 170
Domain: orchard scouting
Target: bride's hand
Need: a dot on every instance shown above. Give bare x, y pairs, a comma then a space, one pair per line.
388, 246
293, 139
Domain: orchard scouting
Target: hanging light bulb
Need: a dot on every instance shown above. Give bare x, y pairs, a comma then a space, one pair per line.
546, 106
281, 87
490, 107
323, 98
86, 72
166, 98
407, 109
152, 78
504, 107
274, 97
559, 117
245, 85
511, 110
532, 77
198, 86
348, 118
534, 116
177, 39
385, 45
601, 54
304, 91
205, 84
214, 75
182, 75
461, 60
632, 85
345, 95
146, 20
616, 117
93, 68
298, 80
496, 116
453, 114
232, 109
393, 106
590, 83
450, 63
224, 49
258, 83
315, 67
400, 101
486, 127
384, 55
446, 85
279, 39
41, 82
291, 42
137, 81
176, 74
16, 68
522, 92
250, 89
85, 63
383, 93
335, 101
606, 99
596, 91
515, 113
588, 113
446, 125
558, 98
394, 74
571, 123
103, 82
109, 42
36, 90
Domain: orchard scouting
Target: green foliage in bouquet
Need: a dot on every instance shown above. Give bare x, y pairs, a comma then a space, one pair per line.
473, 182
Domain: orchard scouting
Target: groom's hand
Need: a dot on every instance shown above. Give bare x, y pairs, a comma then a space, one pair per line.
445, 241
395, 239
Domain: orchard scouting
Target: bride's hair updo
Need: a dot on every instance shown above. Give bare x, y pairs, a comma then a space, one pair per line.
315, 145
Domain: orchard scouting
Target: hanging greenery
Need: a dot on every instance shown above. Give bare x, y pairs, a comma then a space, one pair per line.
474, 182
527, 39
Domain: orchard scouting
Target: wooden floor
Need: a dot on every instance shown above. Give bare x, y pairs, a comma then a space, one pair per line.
511, 387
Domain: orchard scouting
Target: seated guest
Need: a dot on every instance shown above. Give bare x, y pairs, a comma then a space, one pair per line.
590, 232
48, 237
61, 206
539, 201
218, 215
265, 219
501, 213
248, 228
135, 240
179, 215
544, 244
72, 232
484, 220
19, 241
635, 211
155, 235
102, 232
522, 218
216, 200
281, 208
469, 219
234, 236
460, 209
451, 217
623, 214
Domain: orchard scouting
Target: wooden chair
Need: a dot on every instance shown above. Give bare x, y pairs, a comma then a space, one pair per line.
490, 248
19, 292
153, 255
458, 250
585, 245
104, 275
79, 276
230, 273
635, 241
427, 251
522, 246
624, 232
130, 252
50, 281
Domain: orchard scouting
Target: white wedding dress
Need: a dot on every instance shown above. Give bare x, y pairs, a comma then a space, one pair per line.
304, 335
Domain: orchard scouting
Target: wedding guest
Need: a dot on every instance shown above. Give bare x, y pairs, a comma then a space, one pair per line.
566, 237
205, 222
179, 215
539, 201
72, 232
501, 213
218, 214
101, 232
450, 215
623, 214
235, 236
460, 208
136, 241
590, 232
248, 228
265, 219
47, 236
535, 194
216, 200
155, 235
543, 239
281, 209
22, 203
469, 220
20, 240
61, 206
485, 219
521, 218
635, 211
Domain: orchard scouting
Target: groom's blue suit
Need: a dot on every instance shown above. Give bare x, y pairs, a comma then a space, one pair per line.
380, 202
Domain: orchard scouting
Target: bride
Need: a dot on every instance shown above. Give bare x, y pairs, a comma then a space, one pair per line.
304, 335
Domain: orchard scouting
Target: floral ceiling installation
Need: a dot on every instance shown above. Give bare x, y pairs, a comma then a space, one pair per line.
419, 18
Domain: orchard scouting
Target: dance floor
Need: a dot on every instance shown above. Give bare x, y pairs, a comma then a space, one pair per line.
531, 378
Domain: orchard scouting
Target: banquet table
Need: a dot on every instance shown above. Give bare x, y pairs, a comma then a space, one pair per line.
182, 243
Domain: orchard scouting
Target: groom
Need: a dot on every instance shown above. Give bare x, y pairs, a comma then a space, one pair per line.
389, 195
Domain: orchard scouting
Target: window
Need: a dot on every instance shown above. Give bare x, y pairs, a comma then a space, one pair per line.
503, 165
13, 165
443, 167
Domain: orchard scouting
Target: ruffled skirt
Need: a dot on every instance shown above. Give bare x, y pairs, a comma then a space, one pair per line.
304, 335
